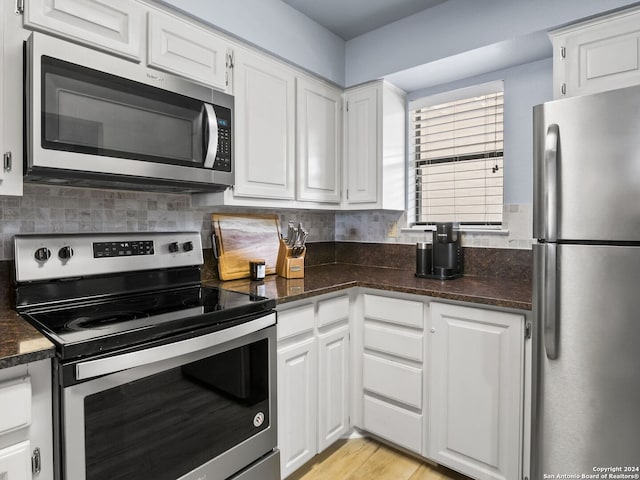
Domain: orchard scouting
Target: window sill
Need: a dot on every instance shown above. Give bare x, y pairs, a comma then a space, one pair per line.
465, 229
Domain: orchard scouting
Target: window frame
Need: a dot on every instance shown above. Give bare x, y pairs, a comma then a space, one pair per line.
413, 201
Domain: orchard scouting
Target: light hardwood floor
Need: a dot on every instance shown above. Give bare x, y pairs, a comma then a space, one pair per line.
366, 459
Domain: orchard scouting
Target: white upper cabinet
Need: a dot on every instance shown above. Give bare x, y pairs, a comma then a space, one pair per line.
319, 141
115, 26
375, 147
12, 37
597, 55
476, 364
264, 127
184, 49
362, 146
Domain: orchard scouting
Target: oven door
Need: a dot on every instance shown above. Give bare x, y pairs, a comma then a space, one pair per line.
193, 409
92, 114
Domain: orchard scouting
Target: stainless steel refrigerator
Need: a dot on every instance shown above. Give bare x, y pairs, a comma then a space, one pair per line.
587, 285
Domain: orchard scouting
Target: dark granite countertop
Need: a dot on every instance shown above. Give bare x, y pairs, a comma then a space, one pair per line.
500, 292
20, 342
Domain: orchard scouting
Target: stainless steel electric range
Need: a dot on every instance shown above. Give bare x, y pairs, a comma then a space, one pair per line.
156, 375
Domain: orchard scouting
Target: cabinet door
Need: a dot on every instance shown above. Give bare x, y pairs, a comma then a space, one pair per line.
600, 55
476, 374
362, 144
115, 26
265, 123
184, 49
15, 462
12, 39
319, 145
333, 386
297, 405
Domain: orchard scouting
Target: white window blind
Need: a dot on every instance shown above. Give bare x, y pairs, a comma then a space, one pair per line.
458, 157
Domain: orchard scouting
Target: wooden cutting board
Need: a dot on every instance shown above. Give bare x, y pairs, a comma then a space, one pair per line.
240, 238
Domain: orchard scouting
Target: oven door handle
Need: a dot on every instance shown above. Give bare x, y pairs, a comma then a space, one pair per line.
117, 363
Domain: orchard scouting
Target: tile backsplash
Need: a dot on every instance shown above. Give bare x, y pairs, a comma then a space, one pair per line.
52, 209
390, 227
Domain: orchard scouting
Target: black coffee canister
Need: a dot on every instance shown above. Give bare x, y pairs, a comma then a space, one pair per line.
423, 259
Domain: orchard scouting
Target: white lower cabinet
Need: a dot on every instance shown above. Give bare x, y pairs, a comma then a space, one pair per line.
15, 462
333, 386
447, 381
26, 423
392, 369
297, 404
476, 388
313, 378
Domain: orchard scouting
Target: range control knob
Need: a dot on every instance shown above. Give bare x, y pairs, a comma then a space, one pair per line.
42, 254
174, 247
187, 246
65, 253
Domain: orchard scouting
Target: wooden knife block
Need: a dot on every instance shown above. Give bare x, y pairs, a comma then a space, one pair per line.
287, 265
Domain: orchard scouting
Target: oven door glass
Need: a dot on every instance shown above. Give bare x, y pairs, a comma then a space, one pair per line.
166, 424
91, 112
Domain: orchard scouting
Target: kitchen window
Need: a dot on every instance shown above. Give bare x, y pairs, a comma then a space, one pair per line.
457, 157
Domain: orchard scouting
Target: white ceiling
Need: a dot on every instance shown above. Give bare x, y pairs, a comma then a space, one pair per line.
350, 18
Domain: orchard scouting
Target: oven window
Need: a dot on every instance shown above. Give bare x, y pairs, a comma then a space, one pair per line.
87, 111
165, 425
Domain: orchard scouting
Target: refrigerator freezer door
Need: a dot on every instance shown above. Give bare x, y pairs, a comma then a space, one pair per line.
587, 398
589, 188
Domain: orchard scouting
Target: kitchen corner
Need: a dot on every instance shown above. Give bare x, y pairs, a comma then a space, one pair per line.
496, 277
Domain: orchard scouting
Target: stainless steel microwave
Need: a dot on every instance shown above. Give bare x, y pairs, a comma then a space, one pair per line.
100, 121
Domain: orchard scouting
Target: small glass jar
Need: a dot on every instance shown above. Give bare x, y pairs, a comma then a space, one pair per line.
257, 269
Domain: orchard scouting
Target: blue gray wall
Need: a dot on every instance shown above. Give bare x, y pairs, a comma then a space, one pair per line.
524, 87
458, 26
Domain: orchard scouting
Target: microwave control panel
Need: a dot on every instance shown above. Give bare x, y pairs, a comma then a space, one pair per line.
223, 155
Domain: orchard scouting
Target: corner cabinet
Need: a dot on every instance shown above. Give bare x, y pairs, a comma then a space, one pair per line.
313, 378
374, 146
476, 362
597, 55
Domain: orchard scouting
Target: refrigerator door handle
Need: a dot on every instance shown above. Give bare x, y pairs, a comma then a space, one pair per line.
548, 302
551, 181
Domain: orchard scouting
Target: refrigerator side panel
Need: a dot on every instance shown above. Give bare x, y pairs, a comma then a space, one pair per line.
598, 165
587, 398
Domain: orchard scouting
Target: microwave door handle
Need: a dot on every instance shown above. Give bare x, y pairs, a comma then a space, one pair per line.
211, 127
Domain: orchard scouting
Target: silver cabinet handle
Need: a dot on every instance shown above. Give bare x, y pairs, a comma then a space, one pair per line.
117, 363
551, 181
212, 128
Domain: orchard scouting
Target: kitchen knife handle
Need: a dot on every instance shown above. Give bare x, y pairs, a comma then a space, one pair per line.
551, 182
545, 257
211, 129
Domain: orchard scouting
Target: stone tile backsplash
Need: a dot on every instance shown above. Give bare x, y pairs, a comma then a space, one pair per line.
52, 209
390, 227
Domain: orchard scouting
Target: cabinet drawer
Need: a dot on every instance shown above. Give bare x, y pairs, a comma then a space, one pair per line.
393, 341
333, 310
393, 380
394, 310
393, 423
295, 321
15, 404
